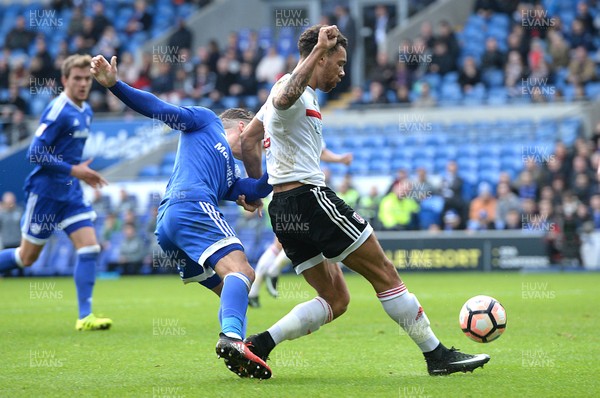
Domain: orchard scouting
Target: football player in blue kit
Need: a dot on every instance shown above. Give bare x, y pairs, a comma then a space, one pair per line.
190, 226
54, 195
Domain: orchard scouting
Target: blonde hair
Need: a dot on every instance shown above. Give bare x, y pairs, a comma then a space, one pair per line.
75, 61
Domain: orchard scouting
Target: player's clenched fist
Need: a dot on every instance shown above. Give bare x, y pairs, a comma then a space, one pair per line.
328, 36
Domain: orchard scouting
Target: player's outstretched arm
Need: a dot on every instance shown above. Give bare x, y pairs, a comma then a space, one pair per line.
251, 139
83, 172
332, 157
141, 101
251, 188
293, 87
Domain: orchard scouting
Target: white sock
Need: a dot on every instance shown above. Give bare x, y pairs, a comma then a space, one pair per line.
276, 266
303, 319
262, 267
404, 308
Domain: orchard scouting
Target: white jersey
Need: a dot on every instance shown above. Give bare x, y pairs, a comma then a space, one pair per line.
293, 139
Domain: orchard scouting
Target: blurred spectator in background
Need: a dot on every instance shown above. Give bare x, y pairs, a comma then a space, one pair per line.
377, 94
526, 186
131, 251
383, 72
108, 44
451, 220
492, 58
112, 225
347, 27
446, 35
514, 72
19, 38
182, 37
10, 221
99, 21
452, 188
76, 23
582, 69
442, 61
424, 99
369, 205
141, 20
271, 67
348, 193
507, 201
469, 75
129, 71
397, 210
482, 212
513, 220
558, 49
15, 99
126, 202
18, 129
420, 187
578, 36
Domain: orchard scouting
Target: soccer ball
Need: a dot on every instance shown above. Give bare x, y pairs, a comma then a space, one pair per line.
482, 319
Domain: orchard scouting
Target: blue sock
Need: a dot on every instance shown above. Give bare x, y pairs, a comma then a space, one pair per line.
234, 303
85, 276
8, 260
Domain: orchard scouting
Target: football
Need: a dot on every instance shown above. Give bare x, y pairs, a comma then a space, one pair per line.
482, 319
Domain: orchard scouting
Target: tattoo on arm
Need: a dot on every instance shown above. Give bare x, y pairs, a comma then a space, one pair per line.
293, 88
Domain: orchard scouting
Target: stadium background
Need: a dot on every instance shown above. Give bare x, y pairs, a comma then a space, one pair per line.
503, 92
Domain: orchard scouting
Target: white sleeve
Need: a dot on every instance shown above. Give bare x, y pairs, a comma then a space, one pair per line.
261, 113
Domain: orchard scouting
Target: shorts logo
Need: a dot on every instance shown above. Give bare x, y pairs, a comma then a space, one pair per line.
358, 218
267, 142
35, 228
419, 313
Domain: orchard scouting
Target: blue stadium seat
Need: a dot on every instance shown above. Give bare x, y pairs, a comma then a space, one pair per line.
169, 158
149, 171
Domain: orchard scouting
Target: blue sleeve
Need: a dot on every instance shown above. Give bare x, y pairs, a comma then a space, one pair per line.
182, 118
252, 188
42, 150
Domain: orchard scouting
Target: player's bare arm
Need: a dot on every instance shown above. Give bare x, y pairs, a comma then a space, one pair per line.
83, 172
293, 88
251, 139
332, 157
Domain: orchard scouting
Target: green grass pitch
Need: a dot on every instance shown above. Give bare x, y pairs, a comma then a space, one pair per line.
163, 337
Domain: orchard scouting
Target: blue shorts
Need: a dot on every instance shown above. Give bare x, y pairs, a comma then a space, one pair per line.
43, 216
196, 235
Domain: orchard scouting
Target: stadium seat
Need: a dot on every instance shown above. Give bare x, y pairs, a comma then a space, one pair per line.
149, 171
431, 211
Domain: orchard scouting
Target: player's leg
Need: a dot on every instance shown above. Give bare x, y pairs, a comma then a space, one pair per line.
274, 271
37, 224
264, 262
207, 251
306, 318
365, 256
83, 236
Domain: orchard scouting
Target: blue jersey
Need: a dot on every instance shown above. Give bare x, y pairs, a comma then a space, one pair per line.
57, 145
205, 169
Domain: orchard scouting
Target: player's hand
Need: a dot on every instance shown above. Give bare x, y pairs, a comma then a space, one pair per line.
251, 207
91, 177
103, 72
328, 36
347, 158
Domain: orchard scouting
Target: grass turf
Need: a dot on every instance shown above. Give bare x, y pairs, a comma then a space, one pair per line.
163, 337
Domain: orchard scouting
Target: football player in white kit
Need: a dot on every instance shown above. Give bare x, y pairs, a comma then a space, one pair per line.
313, 224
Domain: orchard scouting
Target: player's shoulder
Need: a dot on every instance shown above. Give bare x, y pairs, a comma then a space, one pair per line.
55, 108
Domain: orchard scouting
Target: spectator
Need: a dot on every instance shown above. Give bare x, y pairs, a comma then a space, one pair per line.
162, 83
558, 49
446, 35
76, 23
357, 99
141, 20
4, 73
10, 221
377, 93
442, 61
17, 130
108, 44
469, 75
452, 221
270, 68
583, 14
421, 188
579, 37
380, 26
383, 72
225, 77
204, 81
581, 68
507, 201
112, 225
88, 35
182, 37
347, 27
527, 187
245, 83
368, 205
15, 99
131, 251
129, 71
514, 70
403, 95
513, 220
398, 211
425, 99
402, 76
538, 67
451, 189
426, 33
99, 21
492, 58
126, 202
19, 38
482, 212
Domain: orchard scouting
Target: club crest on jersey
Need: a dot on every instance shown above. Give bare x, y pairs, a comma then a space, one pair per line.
358, 218
75, 122
267, 142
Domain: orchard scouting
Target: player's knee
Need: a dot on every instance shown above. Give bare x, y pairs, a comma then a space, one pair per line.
27, 258
338, 302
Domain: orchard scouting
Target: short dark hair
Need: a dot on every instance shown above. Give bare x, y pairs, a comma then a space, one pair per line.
309, 38
233, 115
